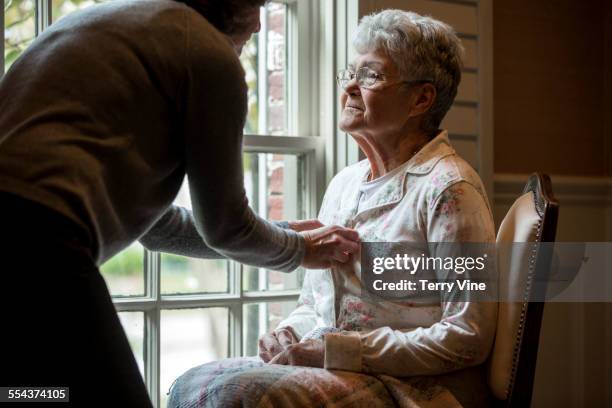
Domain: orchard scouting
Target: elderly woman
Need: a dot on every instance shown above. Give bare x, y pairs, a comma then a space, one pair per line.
412, 187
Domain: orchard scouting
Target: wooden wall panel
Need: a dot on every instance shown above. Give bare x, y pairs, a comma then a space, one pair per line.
470, 58
461, 120
468, 149
548, 84
463, 17
468, 88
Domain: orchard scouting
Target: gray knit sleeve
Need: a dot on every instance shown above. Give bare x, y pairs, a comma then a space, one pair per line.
213, 113
175, 233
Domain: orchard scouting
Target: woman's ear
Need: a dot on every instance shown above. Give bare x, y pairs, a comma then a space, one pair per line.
424, 97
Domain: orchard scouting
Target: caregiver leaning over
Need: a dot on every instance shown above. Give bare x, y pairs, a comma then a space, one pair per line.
100, 120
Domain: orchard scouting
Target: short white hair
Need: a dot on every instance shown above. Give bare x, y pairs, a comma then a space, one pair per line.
422, 49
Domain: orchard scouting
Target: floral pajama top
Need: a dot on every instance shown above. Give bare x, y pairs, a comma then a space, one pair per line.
438, 198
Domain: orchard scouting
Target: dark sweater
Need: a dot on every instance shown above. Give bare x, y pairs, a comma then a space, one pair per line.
105, 113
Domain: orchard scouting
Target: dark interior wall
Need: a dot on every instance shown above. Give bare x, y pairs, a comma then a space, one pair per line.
549, 86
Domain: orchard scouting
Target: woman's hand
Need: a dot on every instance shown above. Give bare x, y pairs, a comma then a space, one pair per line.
274, 343
329, 244
310, 353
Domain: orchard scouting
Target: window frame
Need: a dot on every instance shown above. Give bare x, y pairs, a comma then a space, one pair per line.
153, 301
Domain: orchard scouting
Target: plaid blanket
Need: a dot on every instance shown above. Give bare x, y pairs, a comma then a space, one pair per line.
249, 382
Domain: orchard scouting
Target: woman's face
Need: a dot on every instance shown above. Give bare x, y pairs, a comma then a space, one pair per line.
381, 109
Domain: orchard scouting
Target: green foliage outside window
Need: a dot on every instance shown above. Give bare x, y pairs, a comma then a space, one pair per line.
19, 28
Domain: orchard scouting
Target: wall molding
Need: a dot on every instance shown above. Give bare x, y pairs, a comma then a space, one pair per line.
570, 190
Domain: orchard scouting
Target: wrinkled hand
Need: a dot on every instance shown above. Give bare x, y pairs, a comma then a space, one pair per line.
305, 225
329, 244
310, 353
274, 343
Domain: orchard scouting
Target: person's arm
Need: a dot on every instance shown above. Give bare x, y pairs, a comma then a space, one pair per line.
175, 232
464, 335
214, 112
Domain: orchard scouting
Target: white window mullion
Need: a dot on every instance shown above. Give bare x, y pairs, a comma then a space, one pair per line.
327, 70
262, 205
262, 128
152, 354
235, 330
282, 144
235, 321
262, 74
43, 15
152, 325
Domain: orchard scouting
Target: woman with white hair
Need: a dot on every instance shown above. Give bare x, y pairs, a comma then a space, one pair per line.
412, 187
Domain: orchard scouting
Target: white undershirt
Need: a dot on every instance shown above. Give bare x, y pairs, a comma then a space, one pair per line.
369, 188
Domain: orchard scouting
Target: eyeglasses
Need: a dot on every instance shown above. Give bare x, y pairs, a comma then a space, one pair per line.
366, 78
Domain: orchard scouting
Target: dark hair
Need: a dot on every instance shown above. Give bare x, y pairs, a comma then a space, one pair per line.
226, 15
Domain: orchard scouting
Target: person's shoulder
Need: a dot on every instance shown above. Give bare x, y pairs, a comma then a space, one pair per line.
449, 171
162, 23
457, 168
209, 50
177, 14
140, 12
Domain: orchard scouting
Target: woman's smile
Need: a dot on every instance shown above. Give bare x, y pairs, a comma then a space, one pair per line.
353, 108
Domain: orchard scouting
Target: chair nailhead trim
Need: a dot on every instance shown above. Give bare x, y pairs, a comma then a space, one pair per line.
521, 328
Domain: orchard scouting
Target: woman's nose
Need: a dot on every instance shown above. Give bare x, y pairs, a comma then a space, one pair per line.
352, 87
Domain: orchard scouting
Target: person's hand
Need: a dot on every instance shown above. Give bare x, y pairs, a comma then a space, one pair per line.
305, 225
271, 344
310, 353
329, 244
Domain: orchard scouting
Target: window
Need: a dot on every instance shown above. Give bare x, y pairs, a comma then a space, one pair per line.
179, 312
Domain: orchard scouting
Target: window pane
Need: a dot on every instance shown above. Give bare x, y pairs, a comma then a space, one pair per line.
260, 318
264, 60
124, 273
133, 324
63, 7
275, 186
259, 279
189, 338
180, 274
19, 28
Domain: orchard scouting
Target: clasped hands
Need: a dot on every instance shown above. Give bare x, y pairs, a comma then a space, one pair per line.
325, 244
282, 347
